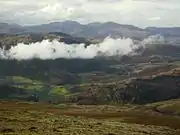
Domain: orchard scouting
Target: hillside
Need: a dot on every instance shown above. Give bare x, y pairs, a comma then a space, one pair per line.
11, 40
95, 30
93, 81
165, 31
113, 95
99, 80
40, 118
92, 30
6, 28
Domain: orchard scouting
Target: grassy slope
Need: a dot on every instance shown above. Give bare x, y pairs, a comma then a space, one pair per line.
170, 107
35, 119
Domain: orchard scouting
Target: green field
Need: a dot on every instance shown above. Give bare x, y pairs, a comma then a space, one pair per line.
34, 86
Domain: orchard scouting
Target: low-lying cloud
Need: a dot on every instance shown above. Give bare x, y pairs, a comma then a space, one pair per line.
55, 49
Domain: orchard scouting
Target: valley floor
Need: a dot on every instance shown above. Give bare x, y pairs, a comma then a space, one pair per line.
22, 118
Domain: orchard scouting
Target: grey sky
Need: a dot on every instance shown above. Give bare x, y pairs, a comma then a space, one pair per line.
137, 12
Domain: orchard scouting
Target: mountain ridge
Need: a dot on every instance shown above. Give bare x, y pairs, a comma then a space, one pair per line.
73, 28
94, 30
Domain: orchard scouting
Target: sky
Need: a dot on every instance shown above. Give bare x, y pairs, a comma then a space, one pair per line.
142, 13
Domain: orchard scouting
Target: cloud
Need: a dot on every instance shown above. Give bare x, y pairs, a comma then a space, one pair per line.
137, 12
55, 49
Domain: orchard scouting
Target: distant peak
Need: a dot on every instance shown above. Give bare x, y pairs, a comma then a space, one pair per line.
3, 24
67, 22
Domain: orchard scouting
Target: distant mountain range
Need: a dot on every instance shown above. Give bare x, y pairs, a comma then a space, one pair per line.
92, 30
173, 31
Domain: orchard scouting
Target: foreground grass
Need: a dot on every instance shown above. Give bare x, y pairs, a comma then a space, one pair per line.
37, 119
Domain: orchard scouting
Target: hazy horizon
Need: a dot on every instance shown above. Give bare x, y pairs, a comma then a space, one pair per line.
29, 25
140, 13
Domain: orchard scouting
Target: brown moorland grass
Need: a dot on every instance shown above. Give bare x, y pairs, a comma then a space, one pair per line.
38, 118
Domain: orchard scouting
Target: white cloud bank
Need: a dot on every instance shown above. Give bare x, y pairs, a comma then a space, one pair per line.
55, 49
138, 12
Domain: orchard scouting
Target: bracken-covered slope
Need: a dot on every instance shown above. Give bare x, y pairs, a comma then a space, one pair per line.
24, 118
